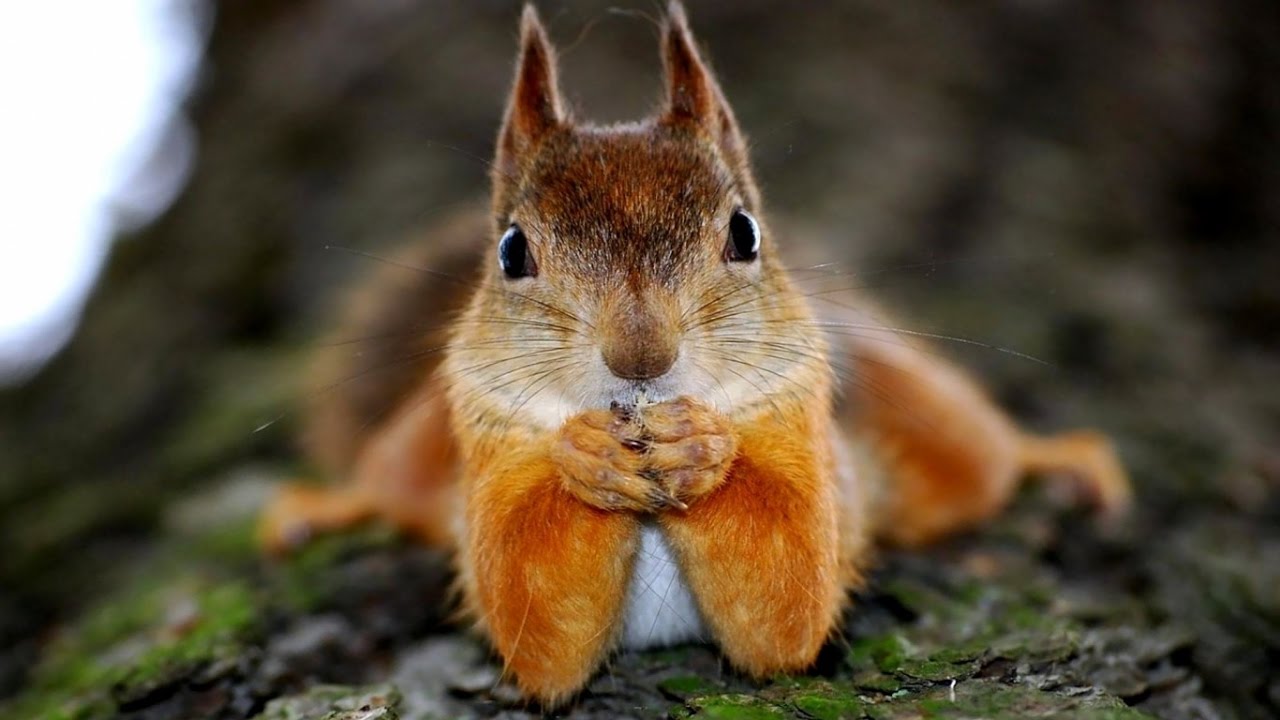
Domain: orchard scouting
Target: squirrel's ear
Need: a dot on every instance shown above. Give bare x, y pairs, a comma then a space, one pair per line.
535, 107
693, 95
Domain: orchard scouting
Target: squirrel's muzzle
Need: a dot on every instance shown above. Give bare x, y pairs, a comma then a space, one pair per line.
640, 340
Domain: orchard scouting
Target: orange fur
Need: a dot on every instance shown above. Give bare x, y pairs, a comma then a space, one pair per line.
762, 551
405, 474
951, 458
637, 371
543, 573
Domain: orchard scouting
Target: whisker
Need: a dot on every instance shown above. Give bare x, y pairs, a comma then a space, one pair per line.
830, 327
931, 264
766, 395
541, 381
662, 603
830, 270
468, 154
331, 387
850, 376
728, 400
839, 328
490, 344
483, 320
458, 375
470, 284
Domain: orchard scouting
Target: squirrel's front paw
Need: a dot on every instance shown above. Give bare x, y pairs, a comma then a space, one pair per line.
691, 447
601, 459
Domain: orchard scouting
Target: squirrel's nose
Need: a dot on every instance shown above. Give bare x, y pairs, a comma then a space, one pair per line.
640, 360
641, 341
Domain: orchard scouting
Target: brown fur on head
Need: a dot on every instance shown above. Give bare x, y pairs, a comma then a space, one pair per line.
631, 287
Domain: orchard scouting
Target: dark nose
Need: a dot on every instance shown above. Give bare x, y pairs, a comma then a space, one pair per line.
640, 362
640, 343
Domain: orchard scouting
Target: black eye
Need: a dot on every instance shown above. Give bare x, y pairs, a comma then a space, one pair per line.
744, 237
514, 256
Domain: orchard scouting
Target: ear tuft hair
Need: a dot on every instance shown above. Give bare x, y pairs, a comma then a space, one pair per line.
692, 93
694, 97
535, 107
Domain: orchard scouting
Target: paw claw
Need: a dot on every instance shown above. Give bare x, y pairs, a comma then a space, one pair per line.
662, 500
690, 449
622, 459
597, 467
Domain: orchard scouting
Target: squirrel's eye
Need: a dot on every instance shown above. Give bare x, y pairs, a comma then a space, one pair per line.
744, 237
514, 256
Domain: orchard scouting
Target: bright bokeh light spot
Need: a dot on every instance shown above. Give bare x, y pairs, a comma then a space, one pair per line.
90, 89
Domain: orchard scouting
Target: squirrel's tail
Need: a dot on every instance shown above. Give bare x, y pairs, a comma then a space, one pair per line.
390, 337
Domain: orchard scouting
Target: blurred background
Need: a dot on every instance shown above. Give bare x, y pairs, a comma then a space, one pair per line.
1095, 183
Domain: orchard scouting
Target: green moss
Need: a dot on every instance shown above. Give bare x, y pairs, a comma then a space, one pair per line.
734, 707
837, 700
226, 617
935, 671
894, 654
304, 581
232, 543
876, 682
1047, 644
136, 642
825, 701
238, 394
60, 709
686, 686
990, 699
882, 652
961, 628
187, 610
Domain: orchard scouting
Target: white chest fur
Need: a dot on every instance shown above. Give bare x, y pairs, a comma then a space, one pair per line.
659, 608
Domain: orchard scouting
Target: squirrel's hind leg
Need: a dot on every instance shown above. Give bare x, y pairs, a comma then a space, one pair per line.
404, 474
299, 512
945, 456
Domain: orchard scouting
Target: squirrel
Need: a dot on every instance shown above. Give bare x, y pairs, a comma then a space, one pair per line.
609, 400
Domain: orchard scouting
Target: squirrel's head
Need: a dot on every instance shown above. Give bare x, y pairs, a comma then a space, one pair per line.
629, 262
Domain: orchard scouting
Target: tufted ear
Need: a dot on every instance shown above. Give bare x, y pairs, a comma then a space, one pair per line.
534, 108
693, 95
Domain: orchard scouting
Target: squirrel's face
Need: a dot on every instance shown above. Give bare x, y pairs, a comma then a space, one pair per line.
628, 263
635, 229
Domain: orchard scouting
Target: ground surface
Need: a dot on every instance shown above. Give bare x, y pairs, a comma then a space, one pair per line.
1037, 617
1092, 183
